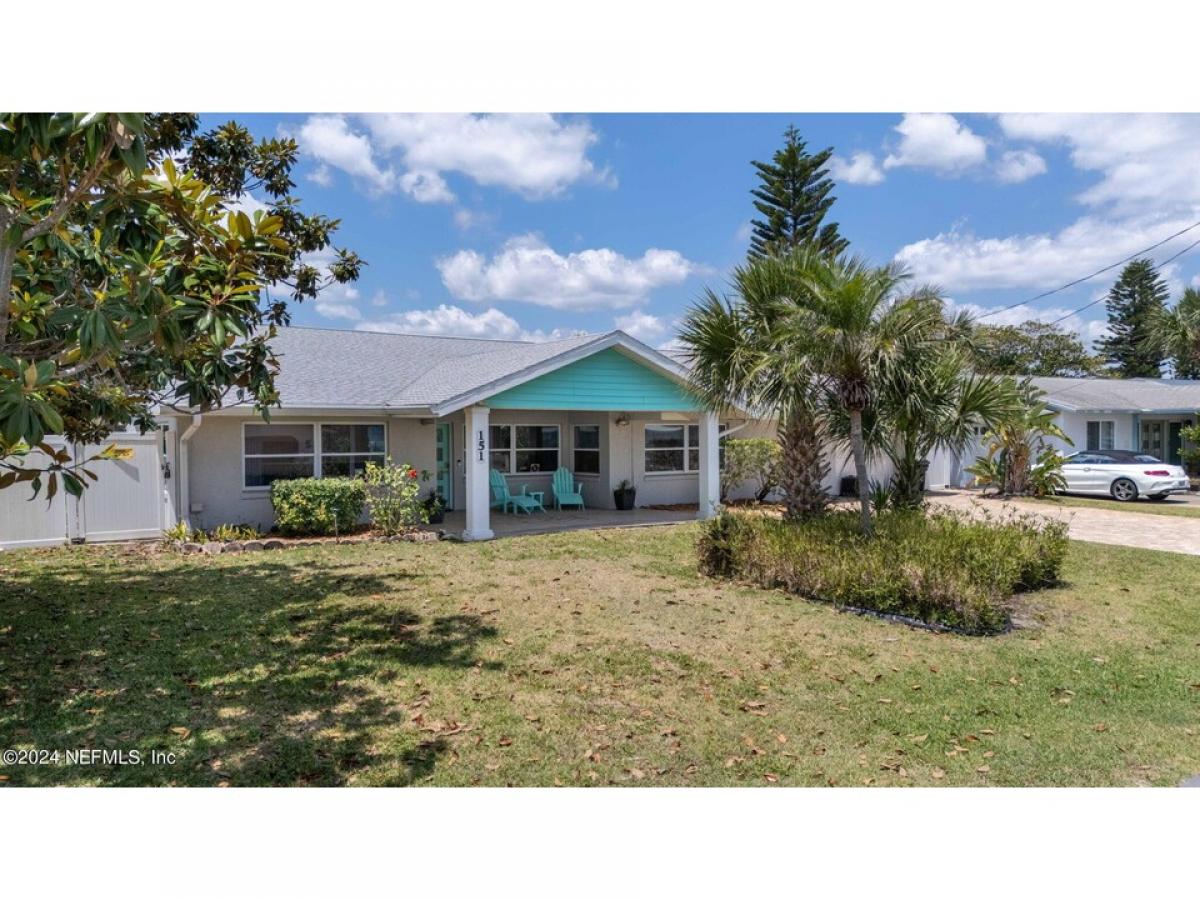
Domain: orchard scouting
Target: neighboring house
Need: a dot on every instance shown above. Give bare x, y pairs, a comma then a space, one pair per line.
1144, 414
607, 407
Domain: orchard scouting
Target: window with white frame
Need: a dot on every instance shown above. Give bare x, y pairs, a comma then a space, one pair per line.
285, 450
346, 449
278, 451
587, 449
672, 448
1101, 435
523, 448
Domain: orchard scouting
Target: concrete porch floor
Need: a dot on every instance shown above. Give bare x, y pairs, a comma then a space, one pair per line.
510, 525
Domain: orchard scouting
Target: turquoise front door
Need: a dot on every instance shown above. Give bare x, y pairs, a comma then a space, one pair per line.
445, 469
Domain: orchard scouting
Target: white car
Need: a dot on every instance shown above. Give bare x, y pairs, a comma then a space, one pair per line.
1122, 475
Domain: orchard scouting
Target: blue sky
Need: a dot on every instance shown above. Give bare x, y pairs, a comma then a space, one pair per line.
534, 226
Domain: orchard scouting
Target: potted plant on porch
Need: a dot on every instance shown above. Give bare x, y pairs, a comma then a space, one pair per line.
435, 508
624, 495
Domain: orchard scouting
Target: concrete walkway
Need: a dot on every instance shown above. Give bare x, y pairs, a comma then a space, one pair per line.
1176, 534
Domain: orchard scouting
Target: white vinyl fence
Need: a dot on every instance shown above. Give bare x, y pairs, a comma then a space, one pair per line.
128, 502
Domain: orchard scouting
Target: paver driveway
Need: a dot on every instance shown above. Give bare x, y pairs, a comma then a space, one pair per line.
1100, 526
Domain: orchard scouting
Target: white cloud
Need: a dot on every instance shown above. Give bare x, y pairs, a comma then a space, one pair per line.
454, 321
426, 187
642, 326
936, 141
528, 270
744, 233
379, 298
1019, 165
467, 219
861, 168
1147, 162
536, 155
329, 139
338, 301
961, 261
321, 175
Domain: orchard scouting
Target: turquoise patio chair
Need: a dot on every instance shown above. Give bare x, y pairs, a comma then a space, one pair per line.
526, 501
566, 491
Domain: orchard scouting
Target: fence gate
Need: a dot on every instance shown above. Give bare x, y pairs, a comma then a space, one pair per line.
128, 501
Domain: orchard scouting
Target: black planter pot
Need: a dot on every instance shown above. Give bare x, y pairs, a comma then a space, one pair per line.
624, 498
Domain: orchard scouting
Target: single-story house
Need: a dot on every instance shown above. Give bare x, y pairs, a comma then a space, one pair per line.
607, 407
1144, 414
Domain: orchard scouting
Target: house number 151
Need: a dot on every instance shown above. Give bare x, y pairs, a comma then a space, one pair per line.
482, 445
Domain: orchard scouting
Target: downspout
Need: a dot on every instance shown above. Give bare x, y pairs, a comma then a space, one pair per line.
184, 474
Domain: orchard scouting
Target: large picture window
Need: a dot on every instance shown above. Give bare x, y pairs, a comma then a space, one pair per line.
274, 452
346, 449
587, 449
523, 448
284, 450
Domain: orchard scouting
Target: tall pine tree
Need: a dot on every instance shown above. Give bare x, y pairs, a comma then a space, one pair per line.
793, 198
1134, 303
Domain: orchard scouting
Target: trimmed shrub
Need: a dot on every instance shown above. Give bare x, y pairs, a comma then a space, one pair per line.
942, 568
318, 505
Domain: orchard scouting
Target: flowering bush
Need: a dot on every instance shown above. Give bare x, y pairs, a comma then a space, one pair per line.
393, 497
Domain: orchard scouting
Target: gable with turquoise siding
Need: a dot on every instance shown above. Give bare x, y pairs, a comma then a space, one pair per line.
607, 380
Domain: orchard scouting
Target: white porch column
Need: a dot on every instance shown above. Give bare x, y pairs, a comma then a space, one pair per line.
710, 465
479, 525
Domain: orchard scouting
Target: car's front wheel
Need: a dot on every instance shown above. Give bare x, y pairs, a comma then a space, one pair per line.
1123, 489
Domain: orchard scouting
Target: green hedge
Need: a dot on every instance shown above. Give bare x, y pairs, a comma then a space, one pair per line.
318, 505
942, 568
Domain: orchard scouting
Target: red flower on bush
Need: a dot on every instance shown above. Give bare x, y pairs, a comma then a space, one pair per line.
412, 473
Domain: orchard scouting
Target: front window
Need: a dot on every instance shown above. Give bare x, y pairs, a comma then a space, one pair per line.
675, 448
278, 451
500, 441
1101, 435
346, 449
537, 448
523, 448
275, 452
587, 450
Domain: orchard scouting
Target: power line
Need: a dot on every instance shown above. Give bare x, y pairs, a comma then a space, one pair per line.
1169, 259
1071, 284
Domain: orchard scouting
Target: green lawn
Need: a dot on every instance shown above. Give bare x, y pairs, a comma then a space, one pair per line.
581, 658
1168, 507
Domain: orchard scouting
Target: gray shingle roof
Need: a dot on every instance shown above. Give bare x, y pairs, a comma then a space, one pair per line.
325, 367
1121, 394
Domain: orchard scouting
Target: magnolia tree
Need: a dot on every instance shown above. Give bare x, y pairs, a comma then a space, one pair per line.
133, 276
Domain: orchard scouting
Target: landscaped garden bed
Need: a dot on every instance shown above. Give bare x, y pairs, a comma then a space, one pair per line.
940, 568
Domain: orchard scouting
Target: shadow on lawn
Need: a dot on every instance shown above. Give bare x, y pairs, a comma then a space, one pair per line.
275, 673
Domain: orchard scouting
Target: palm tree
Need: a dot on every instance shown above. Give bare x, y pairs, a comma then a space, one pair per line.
857, 329
1176, 332
1017, 440
932, 401
742, 354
